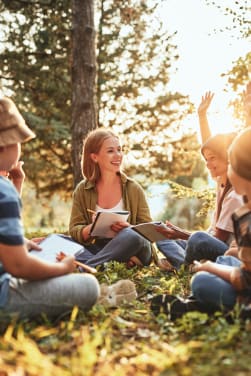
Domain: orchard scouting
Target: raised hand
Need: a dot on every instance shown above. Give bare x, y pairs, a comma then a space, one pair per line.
206, 100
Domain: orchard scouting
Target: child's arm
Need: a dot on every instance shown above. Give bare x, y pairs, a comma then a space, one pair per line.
222, 271
202, 113
19, 263
173, 232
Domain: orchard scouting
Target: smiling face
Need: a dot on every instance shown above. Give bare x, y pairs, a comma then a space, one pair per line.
110, 156
216, 165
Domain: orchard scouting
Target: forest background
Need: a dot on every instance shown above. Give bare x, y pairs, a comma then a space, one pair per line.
74, 65
70, 65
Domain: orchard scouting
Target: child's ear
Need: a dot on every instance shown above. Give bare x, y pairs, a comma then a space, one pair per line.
94, 157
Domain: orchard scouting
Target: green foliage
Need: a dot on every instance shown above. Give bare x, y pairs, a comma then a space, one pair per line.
188, 207
135, 57
238, 76
237, 13
127, 340
35, 70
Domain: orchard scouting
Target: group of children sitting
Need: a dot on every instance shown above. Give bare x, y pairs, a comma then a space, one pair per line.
30, 286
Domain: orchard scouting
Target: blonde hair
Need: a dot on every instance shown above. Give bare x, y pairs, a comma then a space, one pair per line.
92, 144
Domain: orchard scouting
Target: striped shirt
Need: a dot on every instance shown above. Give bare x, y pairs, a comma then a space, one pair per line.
11, 229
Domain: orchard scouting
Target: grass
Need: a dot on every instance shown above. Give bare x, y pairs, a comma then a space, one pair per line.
127, 340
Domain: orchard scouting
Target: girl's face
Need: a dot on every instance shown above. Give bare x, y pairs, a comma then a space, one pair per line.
11, 155
216, 165
109, 157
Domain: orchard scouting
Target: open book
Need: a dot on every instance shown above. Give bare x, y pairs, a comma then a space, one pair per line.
56, 243
149, 230
101, 226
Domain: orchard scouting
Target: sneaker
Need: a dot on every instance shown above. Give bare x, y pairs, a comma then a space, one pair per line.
175, 307
120, 292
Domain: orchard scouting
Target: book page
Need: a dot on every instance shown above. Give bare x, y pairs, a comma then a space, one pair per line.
55, 243
148, 231
103, 222
178, 229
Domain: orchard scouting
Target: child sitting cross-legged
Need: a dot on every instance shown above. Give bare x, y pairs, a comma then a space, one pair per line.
220, 285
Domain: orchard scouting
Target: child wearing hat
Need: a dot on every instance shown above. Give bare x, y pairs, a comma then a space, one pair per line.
28, 285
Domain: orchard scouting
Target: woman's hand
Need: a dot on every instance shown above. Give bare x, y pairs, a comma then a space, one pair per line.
118, 226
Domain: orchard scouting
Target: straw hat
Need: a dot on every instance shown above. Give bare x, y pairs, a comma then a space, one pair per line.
13, 129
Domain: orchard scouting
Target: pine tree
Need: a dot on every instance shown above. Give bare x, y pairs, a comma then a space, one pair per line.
135, 58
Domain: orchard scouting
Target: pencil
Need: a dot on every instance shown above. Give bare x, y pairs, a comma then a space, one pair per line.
91, 211
86, 267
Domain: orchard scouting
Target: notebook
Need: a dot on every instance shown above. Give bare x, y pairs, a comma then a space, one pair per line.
149, 230
101, 226
55, 243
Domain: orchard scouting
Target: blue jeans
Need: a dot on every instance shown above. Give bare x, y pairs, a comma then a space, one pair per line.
212, 290
122, 247
200, 245
173, 250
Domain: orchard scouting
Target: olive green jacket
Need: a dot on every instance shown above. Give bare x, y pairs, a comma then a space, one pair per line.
85, 197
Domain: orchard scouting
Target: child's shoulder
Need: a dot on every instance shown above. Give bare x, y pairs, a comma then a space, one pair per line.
7, 191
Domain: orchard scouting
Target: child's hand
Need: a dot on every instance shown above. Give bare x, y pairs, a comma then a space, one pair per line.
31, 244
17, 172
198, 266
68, 260
170, 231
38, 240
205, 102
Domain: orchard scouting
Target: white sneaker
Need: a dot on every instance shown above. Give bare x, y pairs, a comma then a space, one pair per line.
121, 291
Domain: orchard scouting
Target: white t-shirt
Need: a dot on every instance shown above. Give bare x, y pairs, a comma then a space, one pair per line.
231, 202
118, 207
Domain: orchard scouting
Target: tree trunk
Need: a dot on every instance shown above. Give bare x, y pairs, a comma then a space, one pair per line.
83, 78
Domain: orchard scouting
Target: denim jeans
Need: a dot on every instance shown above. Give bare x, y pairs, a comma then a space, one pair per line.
200, 245
125, 244
212, 290
173, 250
53, 296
